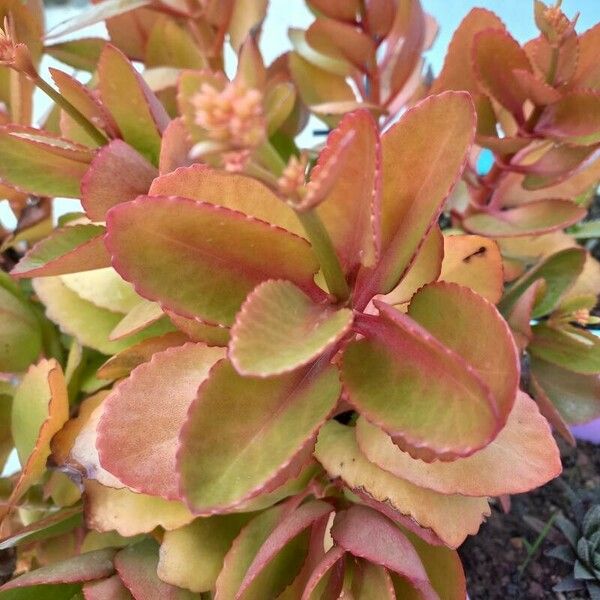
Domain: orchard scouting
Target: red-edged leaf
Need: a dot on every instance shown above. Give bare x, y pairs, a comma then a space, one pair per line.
277, 575
38, 162
138, 318
474, 262
368, 534
121, 364
587, 72
350, 205
230, 190
79, 569
419, 172
199, 255
575, 118
405, 380
496, 55
136, 566
519, 317
82, 98
279, 329
473, 328
221, 467
537, 90
457, 72
451, 517
289, 528
138, 431
117, 174
199, 331
67, 250
175, 147
522, 457
139, 115
534, 218
328, 575
111, 588
342, 10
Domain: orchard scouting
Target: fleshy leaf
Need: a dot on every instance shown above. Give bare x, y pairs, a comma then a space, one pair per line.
195, 274
142, 315
117, 174
136, 566
200, 331
112, 588
575, 396
291, 526
522, 457
277, 419
559, 271
90, 566
496, 55
139, 115
575, 118
587, 72
89, 324
368, 534
467, 323
192, 557
81, 54
350, 208
276, 576
412, 203
37, 162
473, 261
569, 347
279, 329
128, 513
121, 364
66, 250
138, 432
534, 218
40, 408
519, 317
402, 378
451, 517
230, 190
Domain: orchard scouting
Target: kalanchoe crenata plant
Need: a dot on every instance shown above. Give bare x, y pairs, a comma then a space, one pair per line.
252, 371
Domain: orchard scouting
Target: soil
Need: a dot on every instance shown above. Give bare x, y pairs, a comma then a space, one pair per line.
495, 559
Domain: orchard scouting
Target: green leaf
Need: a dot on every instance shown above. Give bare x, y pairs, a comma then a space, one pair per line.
38, 162
569, 347
19, 331
533, 218
192, 557
277, 419
172, 45
559, 271
70, 249
80, 54
199, 255
576, 396
279, 329
417, 389
585, 231
138, 113
111, 587
89, 324
144, 414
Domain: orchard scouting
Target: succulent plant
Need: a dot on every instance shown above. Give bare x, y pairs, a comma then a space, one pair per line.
582, 550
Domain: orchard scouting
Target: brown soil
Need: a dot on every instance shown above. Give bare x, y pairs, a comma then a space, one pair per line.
494, 559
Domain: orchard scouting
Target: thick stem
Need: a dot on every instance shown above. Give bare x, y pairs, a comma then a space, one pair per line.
323, 247
75, 114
